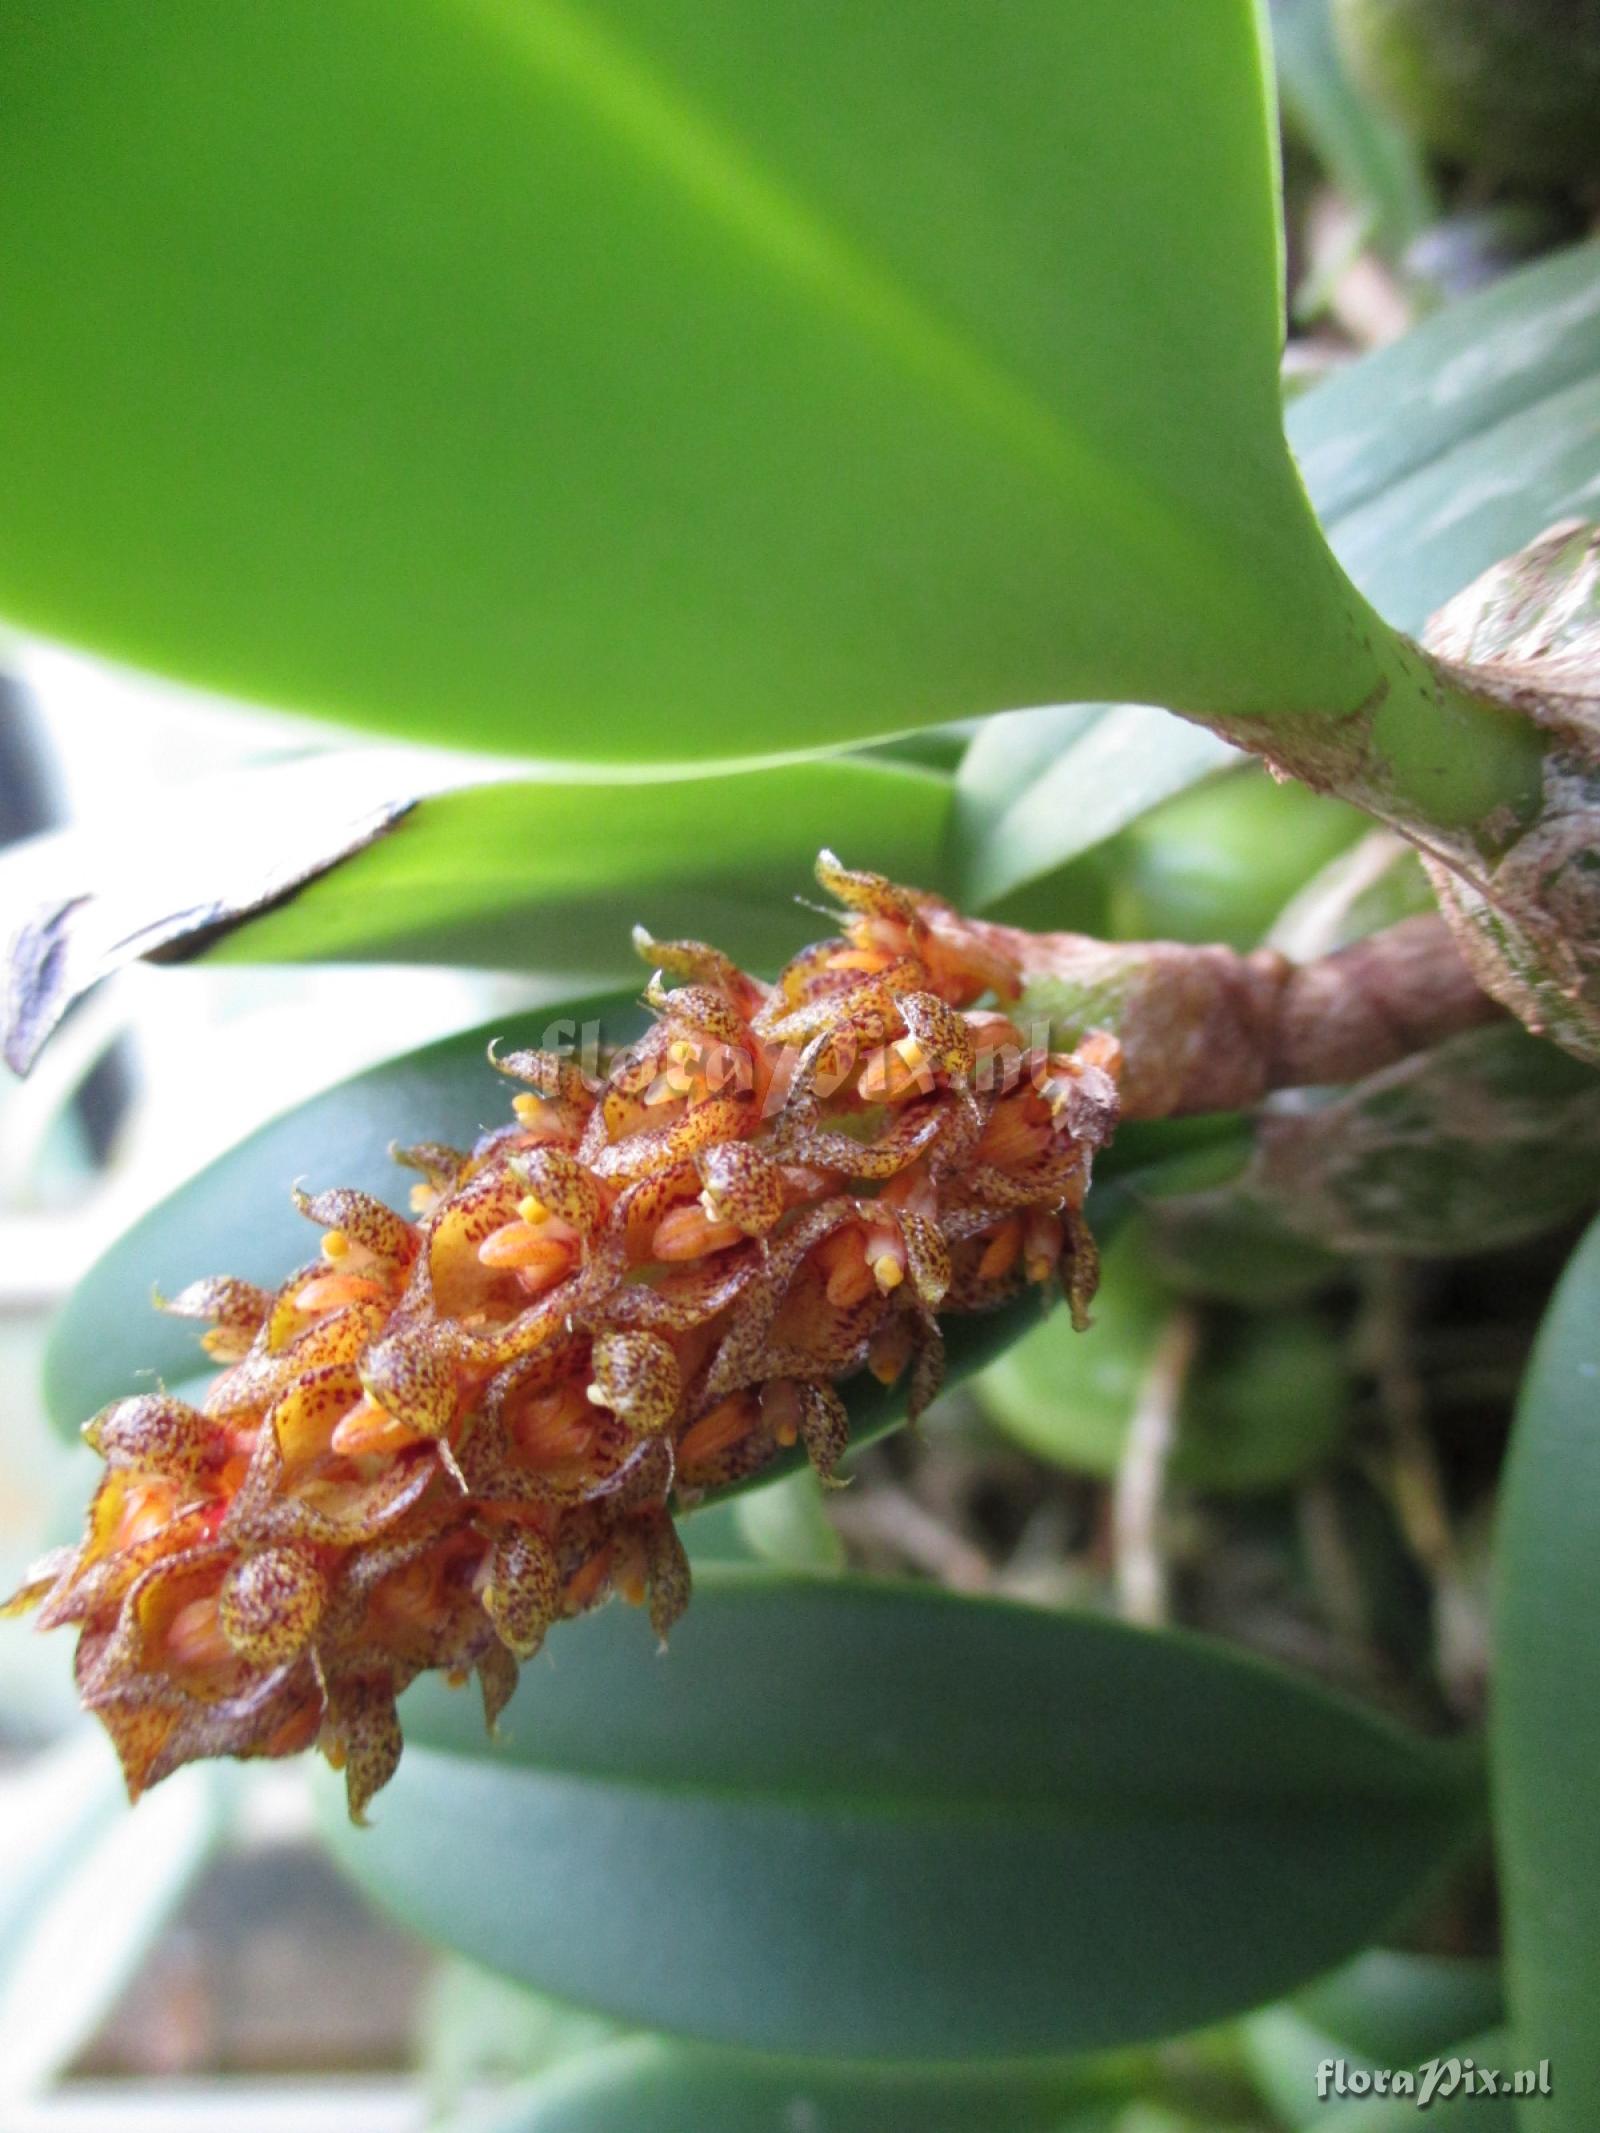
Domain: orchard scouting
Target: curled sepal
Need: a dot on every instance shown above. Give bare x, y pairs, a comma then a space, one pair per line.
943, 1036
873, 895
562, 1187
742, 1186
813, 1412
153, 1433
522, 1594
667, 1576
361, 1737
551, 1075
412, 1376
498, 1674
237, 1310
698, 1007
693, 960
355, 1221
271, 1603
927, 1259
636, 1376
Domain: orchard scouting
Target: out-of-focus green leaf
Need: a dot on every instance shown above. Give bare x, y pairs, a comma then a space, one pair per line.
1434, 458
1219, 862
1371, 159
476, 2027
1384, 2009
788, 1524
1427, 461
1038, 787
796, 1833
657, 378
87, 1889
649, 2085
547, 876
524, 875
1267, 1396
1546, 1720
1395, 2007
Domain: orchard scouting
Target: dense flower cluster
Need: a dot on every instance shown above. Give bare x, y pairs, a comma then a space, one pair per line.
457, 1427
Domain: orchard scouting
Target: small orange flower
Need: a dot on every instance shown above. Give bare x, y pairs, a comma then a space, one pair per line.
459, 1426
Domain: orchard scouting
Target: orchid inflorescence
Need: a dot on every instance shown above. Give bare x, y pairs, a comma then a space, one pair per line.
461, 1425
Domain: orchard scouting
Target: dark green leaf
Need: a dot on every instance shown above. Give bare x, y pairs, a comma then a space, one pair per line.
1546, 1726
885, 1822
657, 378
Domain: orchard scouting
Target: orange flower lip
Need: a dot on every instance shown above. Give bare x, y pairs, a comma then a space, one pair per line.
468, 1422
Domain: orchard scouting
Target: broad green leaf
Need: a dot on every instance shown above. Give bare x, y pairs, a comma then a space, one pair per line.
529, 874
650, 2085
1427, 462
657, 378
1371, 159
1546, 1720
1220, 861
857, 1819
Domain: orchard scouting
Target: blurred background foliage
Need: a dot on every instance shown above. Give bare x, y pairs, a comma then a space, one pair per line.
1286, 1429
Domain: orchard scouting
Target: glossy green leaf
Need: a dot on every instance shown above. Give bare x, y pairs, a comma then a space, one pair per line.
657, 378
1427, 461
649, 2085
1546, 1720
1220, 861
885, 1822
